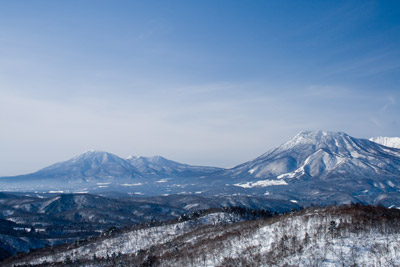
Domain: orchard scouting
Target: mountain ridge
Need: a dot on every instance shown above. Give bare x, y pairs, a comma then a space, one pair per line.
313, 167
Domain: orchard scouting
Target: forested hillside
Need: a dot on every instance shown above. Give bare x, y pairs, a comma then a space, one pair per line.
351, 235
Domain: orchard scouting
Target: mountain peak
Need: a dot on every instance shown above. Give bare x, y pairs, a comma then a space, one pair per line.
95, 155
317, 138
94, 152
319, 134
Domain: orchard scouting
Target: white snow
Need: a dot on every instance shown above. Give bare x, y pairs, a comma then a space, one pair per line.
162, 180
252, 170
262, 183
135, 184
300, 239
133, 241
387, 141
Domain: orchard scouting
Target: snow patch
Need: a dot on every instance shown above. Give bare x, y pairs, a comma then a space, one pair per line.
252, 170
162, 181
263, 183
137, 184
189, 206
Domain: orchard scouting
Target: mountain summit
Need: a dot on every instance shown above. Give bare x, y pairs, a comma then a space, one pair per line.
92, 165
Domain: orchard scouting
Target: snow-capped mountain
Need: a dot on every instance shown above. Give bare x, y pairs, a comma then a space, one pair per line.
323, 167
322, 154
88, 169
99, 171
158, 166
387, 141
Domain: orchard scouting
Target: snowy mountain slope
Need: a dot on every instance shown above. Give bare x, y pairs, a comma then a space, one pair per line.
387, 141
333, 236
322, 154
90, 165
158, 166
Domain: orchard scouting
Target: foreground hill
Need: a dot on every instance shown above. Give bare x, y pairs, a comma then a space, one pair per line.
36, 220
332, 236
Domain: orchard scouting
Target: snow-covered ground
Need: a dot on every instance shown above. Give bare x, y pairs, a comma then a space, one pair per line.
132, 242
335, 236
314, 238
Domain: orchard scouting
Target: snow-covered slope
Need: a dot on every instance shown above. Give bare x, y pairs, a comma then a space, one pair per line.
387, 141
334, 236
158, 166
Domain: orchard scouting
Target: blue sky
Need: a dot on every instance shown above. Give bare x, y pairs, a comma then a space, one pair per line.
200, 82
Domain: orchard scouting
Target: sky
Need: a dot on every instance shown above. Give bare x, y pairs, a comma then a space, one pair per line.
211, 83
